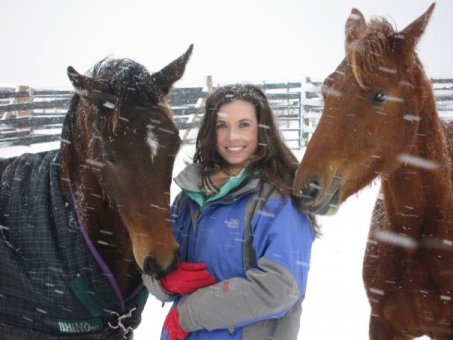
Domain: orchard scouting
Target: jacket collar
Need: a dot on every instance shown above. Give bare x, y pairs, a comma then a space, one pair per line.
189, 180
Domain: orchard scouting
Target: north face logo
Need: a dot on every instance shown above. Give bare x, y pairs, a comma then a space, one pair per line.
232, 224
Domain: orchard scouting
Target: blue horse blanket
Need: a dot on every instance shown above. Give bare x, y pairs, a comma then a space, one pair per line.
53, 283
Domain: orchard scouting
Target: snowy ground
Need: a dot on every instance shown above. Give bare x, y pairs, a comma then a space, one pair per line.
335, 306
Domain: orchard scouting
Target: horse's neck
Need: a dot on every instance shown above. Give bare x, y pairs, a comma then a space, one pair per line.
415, 195
107, 232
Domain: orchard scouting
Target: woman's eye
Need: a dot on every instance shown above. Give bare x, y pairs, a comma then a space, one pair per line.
221, 126
379, 97
244, 124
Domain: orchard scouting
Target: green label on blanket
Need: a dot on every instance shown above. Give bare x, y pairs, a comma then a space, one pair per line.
79, 326
86, 296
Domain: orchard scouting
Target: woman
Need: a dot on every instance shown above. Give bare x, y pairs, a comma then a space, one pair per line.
245, 247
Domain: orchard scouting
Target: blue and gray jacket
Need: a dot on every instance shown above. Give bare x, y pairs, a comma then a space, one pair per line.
256, 244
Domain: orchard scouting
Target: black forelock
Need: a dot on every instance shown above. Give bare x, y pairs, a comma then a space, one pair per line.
124, 75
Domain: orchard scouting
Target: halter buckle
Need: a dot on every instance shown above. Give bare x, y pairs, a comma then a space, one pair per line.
119, 322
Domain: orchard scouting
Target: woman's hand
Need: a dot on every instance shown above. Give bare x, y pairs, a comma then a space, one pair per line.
187, 278
172, 326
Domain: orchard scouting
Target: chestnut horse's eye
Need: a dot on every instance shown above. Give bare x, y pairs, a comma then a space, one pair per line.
379, 97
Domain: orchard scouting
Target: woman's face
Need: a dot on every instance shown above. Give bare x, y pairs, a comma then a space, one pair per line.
237, 132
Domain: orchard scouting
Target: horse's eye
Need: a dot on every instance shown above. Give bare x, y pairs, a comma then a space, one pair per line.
108, 155
379, 97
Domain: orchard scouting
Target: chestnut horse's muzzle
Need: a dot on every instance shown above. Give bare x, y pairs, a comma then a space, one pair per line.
315, 199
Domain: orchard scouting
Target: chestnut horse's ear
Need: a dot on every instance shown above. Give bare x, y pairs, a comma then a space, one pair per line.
165, 78
355, 26
412, 33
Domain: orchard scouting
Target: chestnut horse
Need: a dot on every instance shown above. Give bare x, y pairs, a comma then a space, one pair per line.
112, 177
380, 120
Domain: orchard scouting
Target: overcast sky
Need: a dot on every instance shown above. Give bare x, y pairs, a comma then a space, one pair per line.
234, 40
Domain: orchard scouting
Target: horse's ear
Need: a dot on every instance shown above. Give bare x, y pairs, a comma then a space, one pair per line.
355, 26
412, 33
83, 85
165, 78
90, 88
80, 83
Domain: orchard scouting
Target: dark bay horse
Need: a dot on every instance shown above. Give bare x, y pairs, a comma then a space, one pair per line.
380, 120
78, 225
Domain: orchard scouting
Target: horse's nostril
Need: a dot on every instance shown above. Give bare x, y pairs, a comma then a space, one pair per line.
313, 189
152, 267
310, 191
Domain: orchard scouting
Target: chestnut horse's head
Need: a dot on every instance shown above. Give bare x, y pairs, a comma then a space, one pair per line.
372, 105
119, 144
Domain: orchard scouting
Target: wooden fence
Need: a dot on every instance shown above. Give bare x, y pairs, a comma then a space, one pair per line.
30, 116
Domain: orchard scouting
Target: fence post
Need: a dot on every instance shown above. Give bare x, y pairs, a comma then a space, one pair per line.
29, 99
305, 122
209, 83
300, 113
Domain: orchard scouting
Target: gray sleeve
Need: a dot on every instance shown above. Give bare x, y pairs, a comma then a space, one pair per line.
267, 292
156, 289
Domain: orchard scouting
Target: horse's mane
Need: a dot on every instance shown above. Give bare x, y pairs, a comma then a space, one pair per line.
368, 52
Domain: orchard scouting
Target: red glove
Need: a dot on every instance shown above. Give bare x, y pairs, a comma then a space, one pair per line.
187, 278
172, 326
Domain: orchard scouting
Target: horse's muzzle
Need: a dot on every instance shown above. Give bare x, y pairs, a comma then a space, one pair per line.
152, 267
313, 198
309, 192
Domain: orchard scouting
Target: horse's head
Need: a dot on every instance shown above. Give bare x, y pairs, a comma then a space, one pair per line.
120, 138
370, 116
